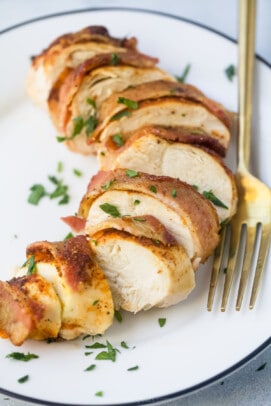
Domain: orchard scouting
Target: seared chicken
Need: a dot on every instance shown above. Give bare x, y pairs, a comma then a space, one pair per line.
187, 215
188, 160
29, 308
67, 295
163, 103
68, 51
142, 273
83, 91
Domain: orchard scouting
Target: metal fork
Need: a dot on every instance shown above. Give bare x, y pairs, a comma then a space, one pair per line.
245, 241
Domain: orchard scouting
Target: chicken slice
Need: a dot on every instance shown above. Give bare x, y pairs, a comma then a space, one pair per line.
81, 286
142, 273
175, 105
192, 163
88, 86
68, 51
29, 308
187, 215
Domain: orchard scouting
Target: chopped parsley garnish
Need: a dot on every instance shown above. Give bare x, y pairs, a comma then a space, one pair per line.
60, 190
91, 367
225, 270
96, 345
174, 193
31, 264
142, 219
95, 242
114, 59
78, 125
91, 102
90, 124
118, 315
230, 72
162, 322
131, 104
23, 379
88, 353
261, 367
124, 113
77, 172
20, 356
153, 189
131, 173
107, 185
110, 209
124, 345
59, 167
133, 368
210, 196
99, 393
118, 140
136, 202
109, 355
102, 153
183, 76
95, 302
37, 192
195, 187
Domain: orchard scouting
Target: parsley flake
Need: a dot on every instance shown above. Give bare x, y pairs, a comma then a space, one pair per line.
107, 185
174, 193
153, 189
118, 140
91, 367
118, 315
96, 345
114, 59
77, 172
37, 193
31, 264
124, 113
230, 72
133, 368
109, 355
131, 173
91, 102
136, 202
212, 197
110, 209
20, 356
162, 322
99, 393
131, 104
183, 76
68, 236
23, 379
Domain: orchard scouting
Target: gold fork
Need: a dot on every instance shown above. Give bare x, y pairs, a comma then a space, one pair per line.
245, 241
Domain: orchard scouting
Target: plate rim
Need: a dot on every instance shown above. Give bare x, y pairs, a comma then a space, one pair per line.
257, 351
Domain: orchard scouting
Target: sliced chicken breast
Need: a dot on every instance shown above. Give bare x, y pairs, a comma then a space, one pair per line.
189, 108
86, 300
68, 51
84, 91
29, 308
142, 273
191, 163
187, 215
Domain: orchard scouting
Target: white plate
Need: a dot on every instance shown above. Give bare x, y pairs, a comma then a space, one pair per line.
195, 347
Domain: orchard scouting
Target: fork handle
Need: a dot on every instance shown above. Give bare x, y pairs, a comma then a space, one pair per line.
247, 17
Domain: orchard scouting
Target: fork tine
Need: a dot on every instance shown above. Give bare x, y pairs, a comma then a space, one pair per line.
233, 254
263, 252
246, 267
218, 255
